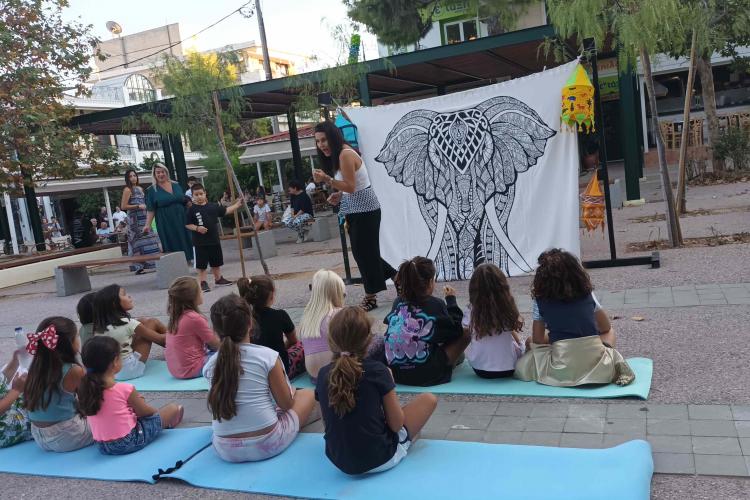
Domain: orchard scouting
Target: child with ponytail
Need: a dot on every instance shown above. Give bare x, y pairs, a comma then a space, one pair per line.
275, 328
121, 420
425, 338
366, 429
189, 337
50, 391
256, 413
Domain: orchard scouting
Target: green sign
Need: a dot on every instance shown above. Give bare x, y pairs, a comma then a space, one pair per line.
448, 9
609, 87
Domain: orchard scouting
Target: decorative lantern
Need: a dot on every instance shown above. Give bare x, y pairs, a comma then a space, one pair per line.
348, 129
578, 101
592, 205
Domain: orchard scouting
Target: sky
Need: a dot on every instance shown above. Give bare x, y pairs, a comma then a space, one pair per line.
298, 26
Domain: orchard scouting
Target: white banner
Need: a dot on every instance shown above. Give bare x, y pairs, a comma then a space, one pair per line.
484, 175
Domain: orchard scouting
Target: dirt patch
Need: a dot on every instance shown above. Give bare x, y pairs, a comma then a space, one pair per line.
712, 179
704, 241
691, 213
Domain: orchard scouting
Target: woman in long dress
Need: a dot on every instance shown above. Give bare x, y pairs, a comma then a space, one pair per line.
347, 173
165, 200
134, 202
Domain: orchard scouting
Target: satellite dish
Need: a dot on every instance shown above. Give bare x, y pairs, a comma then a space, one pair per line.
114, 28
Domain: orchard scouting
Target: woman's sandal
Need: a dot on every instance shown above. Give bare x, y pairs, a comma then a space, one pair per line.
369, 303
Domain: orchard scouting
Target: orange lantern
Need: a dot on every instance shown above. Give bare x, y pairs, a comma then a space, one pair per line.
592, 205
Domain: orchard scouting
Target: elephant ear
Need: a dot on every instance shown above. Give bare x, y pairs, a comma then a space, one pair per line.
519, 135
405, 153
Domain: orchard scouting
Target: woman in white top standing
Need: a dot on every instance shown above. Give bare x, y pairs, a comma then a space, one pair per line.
346, 172
256, 413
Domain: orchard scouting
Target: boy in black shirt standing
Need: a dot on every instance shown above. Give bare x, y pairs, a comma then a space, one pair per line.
202, 218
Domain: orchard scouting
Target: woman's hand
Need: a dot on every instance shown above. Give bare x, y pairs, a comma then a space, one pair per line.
335, 198
142, 206
146, 229
321, 176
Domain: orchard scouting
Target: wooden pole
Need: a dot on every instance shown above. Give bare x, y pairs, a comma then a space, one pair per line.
231, 180
682, 176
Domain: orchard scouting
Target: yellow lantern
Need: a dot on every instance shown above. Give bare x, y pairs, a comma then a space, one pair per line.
593, 205
578, 101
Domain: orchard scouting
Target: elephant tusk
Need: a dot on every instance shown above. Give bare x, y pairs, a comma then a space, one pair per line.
437, 241
502, 236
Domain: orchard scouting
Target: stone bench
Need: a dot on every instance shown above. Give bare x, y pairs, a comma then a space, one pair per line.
74, 278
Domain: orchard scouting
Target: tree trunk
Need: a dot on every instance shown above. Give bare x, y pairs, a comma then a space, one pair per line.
230, 177
681, 181
672, 224
703, 65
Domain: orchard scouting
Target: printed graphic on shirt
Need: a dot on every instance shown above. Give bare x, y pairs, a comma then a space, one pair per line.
199, 216
406, 340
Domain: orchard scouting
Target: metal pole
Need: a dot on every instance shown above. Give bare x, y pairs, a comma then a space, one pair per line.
260, 174
11, 223
590, 48
278, 171
266, 57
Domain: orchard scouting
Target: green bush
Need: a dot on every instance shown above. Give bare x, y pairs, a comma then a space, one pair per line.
734, 145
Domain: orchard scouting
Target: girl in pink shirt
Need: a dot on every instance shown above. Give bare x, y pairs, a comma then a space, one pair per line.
120, 419
189, 337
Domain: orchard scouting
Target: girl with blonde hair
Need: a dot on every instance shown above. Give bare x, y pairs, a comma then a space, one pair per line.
326, 300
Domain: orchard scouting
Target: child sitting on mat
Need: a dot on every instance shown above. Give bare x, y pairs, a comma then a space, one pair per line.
424, 339
493, 322
14, 420
121, 420
112, 318
326, 300
256, 413
189, 337
85, 310
274, 327
579, 348
366, 429
50, 391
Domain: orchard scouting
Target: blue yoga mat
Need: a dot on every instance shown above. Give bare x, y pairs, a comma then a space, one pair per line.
437, 470
158, 379
465, 381
169, 448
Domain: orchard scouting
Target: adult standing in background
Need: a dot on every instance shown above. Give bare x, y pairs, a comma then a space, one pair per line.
139, 241
166, 201
347, 173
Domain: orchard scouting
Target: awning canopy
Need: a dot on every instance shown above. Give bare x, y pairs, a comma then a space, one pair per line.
71, 187
401, 77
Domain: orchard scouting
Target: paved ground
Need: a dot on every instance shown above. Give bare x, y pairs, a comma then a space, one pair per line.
690, 316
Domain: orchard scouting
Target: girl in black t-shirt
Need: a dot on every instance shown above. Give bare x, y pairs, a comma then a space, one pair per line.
366, 429
424, 338
274, 327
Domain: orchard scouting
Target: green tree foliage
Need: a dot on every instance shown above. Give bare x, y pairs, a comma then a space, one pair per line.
404, 22
43, 56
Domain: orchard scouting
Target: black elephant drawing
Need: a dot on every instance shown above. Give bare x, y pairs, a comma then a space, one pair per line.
463, 166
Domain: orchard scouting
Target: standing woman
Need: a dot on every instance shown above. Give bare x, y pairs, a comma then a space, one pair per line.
166, 201
134, 202
347, 173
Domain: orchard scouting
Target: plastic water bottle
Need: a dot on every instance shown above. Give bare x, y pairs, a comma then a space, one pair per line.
24, 360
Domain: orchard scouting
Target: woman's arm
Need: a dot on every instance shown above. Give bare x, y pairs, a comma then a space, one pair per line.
139, 405
394, 415
149, 220
125, 200
602, 321
538, 334
279, 386
347, 166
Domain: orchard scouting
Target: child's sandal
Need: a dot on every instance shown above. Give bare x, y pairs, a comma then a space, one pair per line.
369, 303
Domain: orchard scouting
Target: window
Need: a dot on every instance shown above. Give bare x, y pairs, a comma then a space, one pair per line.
460, 31
139, 89
149, 142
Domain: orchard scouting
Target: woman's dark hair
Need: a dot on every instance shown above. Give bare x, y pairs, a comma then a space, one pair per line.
232, 317
98, 354
256, 291
336, 144
127, 178
560, 276
45, 373
85, 309
413, 278
493, 309
348, 338
108, 309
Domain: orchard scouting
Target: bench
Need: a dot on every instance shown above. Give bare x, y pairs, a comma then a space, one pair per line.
74, 278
